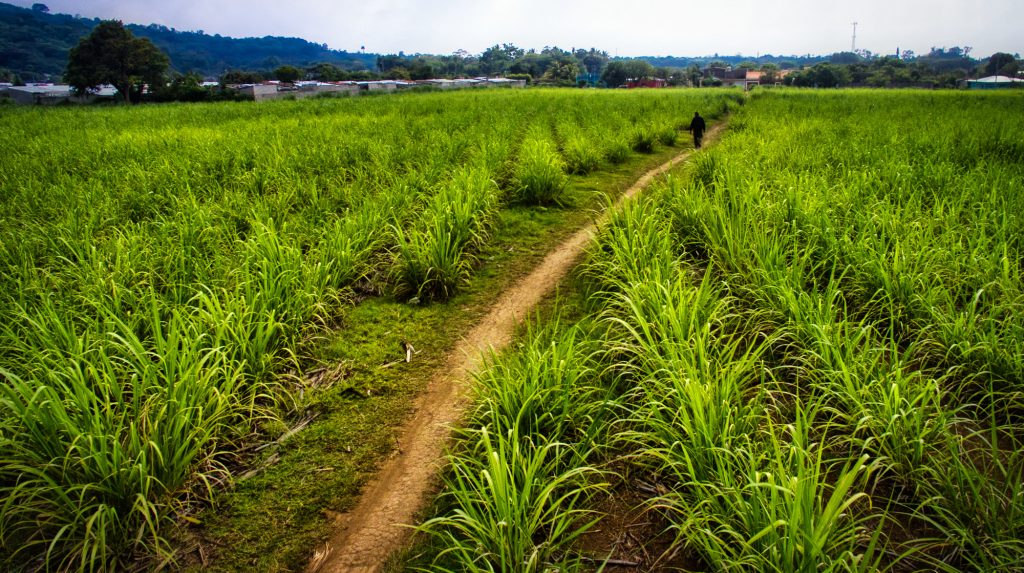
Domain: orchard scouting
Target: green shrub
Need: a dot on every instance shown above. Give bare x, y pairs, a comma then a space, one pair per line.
642, 138
667, 135
431, 263
519, 481
580, 156
435, 257
540, 173
517, 511
616, 150
103, 451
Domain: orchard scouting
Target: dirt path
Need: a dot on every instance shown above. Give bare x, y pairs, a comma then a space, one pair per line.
369, 533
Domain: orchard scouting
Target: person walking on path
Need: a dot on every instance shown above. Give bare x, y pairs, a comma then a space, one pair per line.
697, 128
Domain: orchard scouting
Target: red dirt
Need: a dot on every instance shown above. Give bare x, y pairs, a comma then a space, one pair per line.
368, 534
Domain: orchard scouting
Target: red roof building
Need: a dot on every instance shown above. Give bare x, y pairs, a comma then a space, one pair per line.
647, 83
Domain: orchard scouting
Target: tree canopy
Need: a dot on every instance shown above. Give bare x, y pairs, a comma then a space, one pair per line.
618, 72
111, 54
1001, 63
288, 74
823, 76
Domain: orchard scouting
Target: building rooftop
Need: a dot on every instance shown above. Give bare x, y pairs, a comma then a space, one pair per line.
997, 79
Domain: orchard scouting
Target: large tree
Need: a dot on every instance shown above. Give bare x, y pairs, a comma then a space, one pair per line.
823, 75
593, 60
618, 72
615, 74
694, 75
561, 72
325, 72
495, 61
111, 54
1000, 63
288, 74
639, 69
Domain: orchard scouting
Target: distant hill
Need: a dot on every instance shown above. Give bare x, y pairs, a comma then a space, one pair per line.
34, 45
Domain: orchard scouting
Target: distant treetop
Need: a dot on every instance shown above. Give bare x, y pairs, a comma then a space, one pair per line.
111, 54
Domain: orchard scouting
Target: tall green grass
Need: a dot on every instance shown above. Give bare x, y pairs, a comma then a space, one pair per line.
435, 257
540, 173
519, 476
108, 439
810, 338
162, 266
844, 233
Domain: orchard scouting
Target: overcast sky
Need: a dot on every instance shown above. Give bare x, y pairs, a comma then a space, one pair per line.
626, 28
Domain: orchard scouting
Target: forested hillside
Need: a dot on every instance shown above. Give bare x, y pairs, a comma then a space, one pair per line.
34, 45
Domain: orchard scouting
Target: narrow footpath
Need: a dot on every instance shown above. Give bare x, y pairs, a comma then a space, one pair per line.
379, 523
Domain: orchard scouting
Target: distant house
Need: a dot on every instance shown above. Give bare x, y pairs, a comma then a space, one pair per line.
271, 90
743, 78
257, 92
481, 82
52, 94
995, 82
440, 84
775, 79
276, 90
308, 89
39, 94
647, 83
503, 82
378, 86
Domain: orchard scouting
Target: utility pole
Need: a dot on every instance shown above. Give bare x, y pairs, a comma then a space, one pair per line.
853, 45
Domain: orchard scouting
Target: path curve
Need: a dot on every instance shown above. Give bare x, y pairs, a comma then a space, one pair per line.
369, 533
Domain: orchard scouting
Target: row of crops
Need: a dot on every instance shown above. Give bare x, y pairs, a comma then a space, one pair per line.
160, 267
804, 353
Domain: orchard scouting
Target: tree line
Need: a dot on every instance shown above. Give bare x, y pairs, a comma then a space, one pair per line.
940, 67
112, 54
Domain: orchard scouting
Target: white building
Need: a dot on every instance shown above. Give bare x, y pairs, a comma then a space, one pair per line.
995, 82
51, 94
301, 90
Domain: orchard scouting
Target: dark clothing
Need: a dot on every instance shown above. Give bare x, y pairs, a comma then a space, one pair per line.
697, 127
